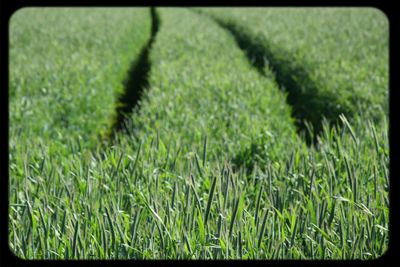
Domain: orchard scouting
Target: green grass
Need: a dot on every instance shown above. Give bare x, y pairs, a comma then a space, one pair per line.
210, 166
330, 60
67, 68
204, 93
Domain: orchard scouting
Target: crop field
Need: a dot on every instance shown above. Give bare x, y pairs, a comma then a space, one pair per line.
198, 133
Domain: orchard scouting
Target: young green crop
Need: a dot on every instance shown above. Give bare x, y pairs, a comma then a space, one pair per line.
330, 60
66, 69
201, 85
327, 204
172, 192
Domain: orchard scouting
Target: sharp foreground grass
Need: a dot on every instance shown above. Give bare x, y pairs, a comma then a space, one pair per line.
210, 165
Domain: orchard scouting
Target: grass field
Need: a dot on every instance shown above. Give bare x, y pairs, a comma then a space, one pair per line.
215, 160
323, 62
67, 67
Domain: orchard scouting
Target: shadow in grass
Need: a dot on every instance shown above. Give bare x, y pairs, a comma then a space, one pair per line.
136, 82
309, 105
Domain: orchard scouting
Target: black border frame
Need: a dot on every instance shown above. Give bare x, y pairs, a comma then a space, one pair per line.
7, 8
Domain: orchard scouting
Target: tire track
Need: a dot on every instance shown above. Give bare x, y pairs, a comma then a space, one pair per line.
136, 82
309, 106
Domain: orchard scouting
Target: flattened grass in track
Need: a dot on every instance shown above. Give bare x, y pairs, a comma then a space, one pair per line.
330, 60
135, 83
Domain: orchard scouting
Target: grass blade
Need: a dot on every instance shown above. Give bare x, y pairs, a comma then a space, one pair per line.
210, 197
